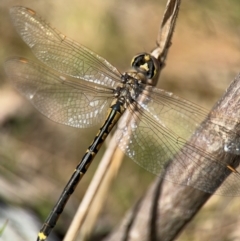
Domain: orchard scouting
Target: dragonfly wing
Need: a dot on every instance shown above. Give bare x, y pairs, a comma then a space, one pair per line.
61, 53
158, 130
63, 99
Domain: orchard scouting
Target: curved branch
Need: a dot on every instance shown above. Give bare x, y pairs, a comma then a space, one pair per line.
167, 207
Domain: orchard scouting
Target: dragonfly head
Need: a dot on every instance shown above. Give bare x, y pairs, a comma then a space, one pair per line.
147, 65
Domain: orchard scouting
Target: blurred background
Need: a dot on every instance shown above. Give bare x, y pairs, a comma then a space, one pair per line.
38, 156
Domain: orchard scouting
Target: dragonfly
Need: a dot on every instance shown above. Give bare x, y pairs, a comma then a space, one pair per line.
76, 87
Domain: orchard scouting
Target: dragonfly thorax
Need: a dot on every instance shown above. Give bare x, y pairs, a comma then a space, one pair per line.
145, 69
130, 88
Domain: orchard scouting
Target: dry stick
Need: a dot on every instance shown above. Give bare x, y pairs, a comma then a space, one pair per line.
166, 208
112, 159
166, 30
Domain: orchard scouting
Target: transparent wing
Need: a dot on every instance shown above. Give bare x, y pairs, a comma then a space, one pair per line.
63, 99
61, 53
159, 129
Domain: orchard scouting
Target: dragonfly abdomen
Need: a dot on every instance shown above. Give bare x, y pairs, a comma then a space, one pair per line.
114, 113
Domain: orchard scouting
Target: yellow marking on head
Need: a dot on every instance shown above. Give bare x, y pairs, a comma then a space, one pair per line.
146, 57
42, 236
144, 66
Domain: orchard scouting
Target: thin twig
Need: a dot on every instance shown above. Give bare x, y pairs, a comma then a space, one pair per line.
112, 161
167, 207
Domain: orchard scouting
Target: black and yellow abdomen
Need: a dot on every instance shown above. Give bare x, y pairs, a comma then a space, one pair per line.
114, 113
